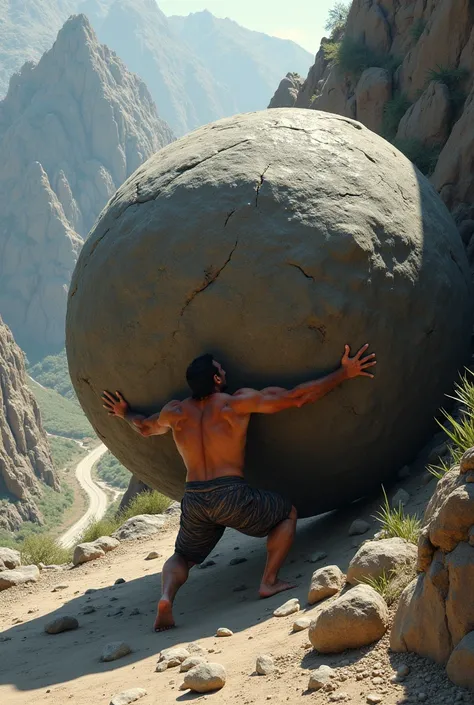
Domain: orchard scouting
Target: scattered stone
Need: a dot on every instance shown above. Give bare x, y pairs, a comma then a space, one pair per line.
19, 576
318, 556
206, 564
107, 543
52, 568
58, 588
265, 665
374, 698
161, 666
403, 671
61, 624
377, 557
222, 631
359, 527
301, 624
153, 555
191, 662
85, 552
115, 650
195, 649
120, 581
325, 582
240, 588
174, 656
400, 498
205, 678
355, 619
237, 561
128, 696
9, 558
321, 677
287, 608
139, 527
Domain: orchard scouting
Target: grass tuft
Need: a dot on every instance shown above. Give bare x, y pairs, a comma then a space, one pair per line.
42, 548
395, 523
391, 585
96, 529
454, 79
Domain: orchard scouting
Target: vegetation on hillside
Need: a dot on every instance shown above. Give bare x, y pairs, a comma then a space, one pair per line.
110, 470
65, 452
353, 57
53, 372
42, 548
61, 416
393, 112
337, 18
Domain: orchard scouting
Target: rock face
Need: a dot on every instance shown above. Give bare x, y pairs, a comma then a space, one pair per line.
401, 45
287, 92
280, 223
68, 139
25, 459
435, 615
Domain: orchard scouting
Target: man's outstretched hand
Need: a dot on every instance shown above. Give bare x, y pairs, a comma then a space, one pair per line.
115, 404
358, 365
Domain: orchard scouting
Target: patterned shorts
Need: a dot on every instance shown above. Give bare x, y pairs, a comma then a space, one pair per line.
207, 508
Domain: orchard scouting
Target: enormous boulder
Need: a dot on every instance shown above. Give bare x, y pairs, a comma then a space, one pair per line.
289, 231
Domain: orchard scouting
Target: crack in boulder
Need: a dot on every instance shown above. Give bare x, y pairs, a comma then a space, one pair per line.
300, 268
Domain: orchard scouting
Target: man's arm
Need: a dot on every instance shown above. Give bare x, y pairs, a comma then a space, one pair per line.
155, 425
275, 399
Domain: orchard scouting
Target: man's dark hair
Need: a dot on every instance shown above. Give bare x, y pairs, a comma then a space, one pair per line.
200, 376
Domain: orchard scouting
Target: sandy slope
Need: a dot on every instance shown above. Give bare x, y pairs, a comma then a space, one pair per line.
38, 669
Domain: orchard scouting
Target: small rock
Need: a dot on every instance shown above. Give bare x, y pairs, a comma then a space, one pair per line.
61, 624
60, 587
128, 696
205, 678
359, 527
161, 666
400, 499
377, 557
374, 698
141, 526
318, 556
288, 608
222, 631
153, 555
85, 552
377, 680
115, 650
301, 624
106, 543
325, 582
89, 610
206, 564
321, 677
195, 649
174, 656
265, 665
120, 581
237, 561
403, 671
9, 558
191, 662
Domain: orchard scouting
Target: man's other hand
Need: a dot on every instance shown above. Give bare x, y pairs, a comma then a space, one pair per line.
115, 404
358, 365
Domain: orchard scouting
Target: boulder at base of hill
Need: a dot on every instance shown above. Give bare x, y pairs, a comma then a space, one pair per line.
460, 666
375, 558
22, 574
140, 527
260, 233
325, 582
351, 621
9, 558
205, 678
85, 552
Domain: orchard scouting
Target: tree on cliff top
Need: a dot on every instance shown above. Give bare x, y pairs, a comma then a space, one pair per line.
337, 18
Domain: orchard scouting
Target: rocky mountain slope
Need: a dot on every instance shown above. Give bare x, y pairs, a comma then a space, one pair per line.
247, 63
406, 70
72, 129
25, 460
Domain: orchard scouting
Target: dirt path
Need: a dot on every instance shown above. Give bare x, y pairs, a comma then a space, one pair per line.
97, 497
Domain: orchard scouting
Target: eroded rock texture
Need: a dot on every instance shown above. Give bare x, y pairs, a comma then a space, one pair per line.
72, 129
435, 617
25, 460
272, 239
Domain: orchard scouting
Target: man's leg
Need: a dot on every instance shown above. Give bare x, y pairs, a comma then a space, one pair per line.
279, 543
174, 575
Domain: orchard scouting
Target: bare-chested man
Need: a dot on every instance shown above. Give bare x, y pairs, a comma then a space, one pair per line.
210, 431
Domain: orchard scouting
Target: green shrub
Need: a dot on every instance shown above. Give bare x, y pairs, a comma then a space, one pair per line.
146, 503
395, 522
391, 585
393, 112
65, 452
42, 548
337, 18
331, 51
111, 470
454, 79
61, 416
103, 527
417, 28
353, 57
425, 157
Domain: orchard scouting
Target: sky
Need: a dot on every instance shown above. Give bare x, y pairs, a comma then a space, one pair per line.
300, 20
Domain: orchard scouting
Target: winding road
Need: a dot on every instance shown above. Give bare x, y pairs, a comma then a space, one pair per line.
97, 497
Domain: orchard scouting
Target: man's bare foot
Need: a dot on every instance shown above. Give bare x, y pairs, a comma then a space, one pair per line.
164, 618
267, 590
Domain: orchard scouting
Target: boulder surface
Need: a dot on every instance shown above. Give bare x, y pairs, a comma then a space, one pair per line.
286, 227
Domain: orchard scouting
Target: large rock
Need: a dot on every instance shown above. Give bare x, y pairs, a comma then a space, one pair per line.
19, 576
287, 92
278, 224
26, 465
460, 667
140, 527
325, 582
205, 678
373, 91
9, 558
429, 119
375, 558
356, 619
85, 552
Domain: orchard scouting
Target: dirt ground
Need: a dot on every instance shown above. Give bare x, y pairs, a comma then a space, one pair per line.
39, 669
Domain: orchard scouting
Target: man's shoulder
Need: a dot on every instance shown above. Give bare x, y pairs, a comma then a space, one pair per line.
245, 391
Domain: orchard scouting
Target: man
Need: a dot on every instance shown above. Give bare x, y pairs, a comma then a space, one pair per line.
210, 431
